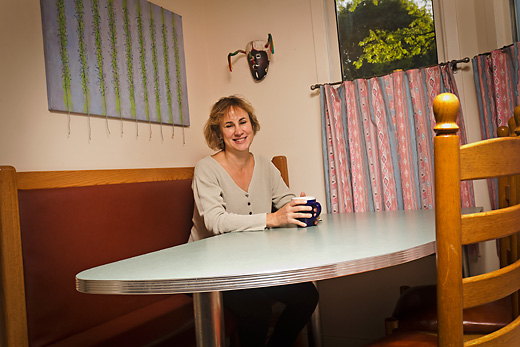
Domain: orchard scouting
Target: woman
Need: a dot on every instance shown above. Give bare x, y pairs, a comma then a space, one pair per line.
235, 190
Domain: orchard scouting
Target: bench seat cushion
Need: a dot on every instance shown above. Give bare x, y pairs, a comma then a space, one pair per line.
154, 323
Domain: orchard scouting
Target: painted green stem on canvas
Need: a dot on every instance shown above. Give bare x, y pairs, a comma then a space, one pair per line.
177, 69
155, 65
166, 66
99, 56
83, 55
113, 51
62, 32
130, 71
143, 59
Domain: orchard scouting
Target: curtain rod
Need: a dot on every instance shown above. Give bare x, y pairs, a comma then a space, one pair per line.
502, 49
452, 62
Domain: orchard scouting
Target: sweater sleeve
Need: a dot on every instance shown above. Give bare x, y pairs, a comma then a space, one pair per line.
208, 193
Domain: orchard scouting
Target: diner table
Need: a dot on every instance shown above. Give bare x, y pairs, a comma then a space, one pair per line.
340, 245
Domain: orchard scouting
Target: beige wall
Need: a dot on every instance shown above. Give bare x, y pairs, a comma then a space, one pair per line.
32, 138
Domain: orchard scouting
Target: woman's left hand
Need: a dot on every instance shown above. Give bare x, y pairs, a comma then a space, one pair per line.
302, 194
289, 214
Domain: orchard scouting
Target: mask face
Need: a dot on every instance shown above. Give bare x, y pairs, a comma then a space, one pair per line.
258, 57
258, 64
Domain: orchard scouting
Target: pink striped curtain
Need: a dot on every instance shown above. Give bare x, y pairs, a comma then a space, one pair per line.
497, 83
378, 141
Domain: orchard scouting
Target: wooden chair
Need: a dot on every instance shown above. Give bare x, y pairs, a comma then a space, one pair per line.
416, 308
480, 160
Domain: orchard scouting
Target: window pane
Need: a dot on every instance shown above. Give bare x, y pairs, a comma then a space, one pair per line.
379, 36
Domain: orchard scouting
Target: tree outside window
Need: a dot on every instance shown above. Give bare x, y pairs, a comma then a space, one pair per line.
379, 36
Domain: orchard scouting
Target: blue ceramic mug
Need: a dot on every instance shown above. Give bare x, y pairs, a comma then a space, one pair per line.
310, 201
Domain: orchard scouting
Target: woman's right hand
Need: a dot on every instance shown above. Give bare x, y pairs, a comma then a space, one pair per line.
289, 213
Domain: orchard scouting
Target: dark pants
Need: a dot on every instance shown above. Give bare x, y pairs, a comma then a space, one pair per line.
252, 308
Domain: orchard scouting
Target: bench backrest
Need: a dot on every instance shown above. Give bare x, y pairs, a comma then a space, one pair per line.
55, 224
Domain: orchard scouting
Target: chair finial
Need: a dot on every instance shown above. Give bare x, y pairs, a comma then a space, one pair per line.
446, 109
503, 131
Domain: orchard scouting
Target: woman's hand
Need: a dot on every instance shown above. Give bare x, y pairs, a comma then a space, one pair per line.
289, 213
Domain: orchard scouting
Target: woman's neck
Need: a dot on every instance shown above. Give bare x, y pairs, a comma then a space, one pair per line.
235, 160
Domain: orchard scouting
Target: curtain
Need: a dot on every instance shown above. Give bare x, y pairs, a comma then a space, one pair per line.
378, 141
496, 76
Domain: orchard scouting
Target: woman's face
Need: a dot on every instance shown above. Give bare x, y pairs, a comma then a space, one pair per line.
236, 130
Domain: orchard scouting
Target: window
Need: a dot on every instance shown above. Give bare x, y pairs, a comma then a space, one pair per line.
379, 36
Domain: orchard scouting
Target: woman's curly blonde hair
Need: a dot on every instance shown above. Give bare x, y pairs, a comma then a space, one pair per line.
212, 132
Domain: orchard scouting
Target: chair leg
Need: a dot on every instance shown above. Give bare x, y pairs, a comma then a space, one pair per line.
391, 324
314, 329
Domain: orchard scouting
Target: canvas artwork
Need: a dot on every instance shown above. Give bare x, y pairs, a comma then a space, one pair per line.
115, 58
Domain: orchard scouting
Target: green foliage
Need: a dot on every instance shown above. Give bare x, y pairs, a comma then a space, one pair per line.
129, 64
113, 52
64, 55
142, 58
155, 65
177, 69
99, 55
166, 66
83, 55
379, 36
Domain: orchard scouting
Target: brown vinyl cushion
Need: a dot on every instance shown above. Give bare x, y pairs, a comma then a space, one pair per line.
406, 339
151, 324
67, 230
416, 309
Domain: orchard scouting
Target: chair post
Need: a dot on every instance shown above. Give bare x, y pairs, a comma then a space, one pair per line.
280, 161
514, 122
504, 191
13, 318
514, 196
448, 225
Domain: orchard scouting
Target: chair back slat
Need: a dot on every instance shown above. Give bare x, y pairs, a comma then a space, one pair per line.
491, 225
505, 337
491, 286
480, 160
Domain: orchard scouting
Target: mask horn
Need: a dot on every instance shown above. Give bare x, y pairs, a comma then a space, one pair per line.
231, 55
270, 43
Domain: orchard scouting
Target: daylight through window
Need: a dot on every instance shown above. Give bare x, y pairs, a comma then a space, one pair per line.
379, 36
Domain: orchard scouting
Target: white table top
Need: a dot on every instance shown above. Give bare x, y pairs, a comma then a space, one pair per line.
342, 244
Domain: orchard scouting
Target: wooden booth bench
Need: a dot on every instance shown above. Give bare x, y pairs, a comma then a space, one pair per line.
55, 224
